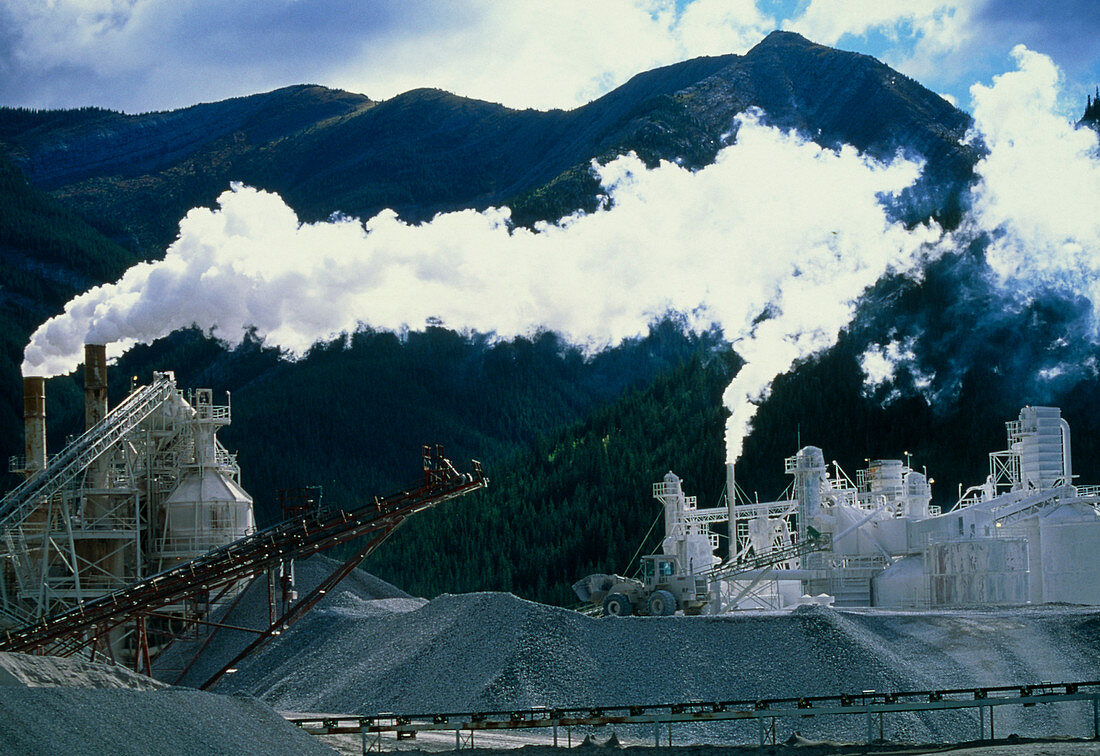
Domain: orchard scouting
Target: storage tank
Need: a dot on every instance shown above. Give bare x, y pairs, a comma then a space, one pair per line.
1043, 447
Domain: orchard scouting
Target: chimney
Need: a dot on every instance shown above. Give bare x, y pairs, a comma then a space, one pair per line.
95, 384
731, 502
34, 418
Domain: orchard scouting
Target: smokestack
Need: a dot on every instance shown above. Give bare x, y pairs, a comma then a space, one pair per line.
95, 384
731, 501
34, 419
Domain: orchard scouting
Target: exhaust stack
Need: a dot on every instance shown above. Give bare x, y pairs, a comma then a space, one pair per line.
34, 419
731, 502
95, 384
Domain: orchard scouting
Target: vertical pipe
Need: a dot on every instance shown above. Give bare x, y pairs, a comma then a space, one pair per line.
95, 384
1067, 454
34, 420
731, 502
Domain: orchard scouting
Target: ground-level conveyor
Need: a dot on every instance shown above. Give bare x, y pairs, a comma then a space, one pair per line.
871, 705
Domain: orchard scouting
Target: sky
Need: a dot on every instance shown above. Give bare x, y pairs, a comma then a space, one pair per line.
145, 55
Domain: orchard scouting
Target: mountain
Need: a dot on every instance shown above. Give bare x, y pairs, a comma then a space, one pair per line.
428, 151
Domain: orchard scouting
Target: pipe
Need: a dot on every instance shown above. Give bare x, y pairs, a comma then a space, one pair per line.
1067, 456
34, 419
731, 502
95, 384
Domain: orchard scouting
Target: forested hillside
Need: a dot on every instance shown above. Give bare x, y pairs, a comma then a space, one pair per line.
47, 256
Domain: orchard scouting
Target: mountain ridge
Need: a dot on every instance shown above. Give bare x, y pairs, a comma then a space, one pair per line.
428, 151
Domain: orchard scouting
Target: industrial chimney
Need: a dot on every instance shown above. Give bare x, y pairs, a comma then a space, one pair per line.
34, 419
731, 503
95, 384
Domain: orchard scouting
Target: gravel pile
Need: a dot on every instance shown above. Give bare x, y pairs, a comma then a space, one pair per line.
193, 662
494, 651
28, 671
53, 721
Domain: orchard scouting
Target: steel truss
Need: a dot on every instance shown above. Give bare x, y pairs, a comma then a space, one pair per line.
88, 624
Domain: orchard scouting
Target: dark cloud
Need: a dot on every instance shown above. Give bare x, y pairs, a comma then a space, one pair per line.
178, 53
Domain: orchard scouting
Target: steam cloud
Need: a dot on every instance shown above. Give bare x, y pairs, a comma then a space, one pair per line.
1031, 299
1040, 184
773, 242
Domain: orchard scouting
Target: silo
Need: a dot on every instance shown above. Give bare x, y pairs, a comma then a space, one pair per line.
808, 473
1043, 448
207, 508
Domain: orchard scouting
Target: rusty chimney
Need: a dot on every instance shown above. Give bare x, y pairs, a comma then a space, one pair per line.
34, 418
95, 384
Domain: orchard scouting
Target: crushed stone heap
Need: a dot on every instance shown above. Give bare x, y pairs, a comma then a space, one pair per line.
492, 651
30, 671
51, 721
192, 662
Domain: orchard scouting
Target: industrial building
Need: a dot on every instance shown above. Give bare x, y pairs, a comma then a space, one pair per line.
145, 487
1027, 534
138, 531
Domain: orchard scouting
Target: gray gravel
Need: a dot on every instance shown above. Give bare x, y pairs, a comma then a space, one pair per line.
490, 651
178, 665
57, 721
27, 670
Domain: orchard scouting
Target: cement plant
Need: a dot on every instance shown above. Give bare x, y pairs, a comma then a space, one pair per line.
135, 548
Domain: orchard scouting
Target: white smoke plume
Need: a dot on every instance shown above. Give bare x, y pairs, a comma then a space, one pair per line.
1040, 184
773, 242
880, 364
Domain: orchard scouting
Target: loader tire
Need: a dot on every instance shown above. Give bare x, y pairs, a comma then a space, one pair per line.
616, 605
662, 604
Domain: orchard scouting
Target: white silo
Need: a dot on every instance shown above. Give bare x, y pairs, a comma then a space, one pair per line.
208, 508
1043, 446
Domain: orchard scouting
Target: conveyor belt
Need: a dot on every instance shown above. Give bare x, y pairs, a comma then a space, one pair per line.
293, 539
869, 704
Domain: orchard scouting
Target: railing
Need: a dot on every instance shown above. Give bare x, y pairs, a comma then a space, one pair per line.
819, 542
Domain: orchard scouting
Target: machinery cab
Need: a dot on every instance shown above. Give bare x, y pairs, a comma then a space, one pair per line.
658, 570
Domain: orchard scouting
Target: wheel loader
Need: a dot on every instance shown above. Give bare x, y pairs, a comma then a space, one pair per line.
663, 590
